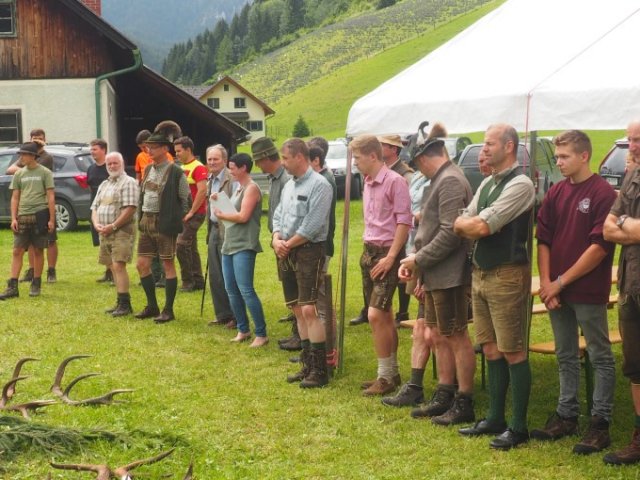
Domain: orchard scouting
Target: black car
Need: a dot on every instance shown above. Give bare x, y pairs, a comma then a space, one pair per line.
546, 172
613, 166
73, 197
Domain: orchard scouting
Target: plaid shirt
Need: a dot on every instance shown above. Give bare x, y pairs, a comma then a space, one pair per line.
113, 195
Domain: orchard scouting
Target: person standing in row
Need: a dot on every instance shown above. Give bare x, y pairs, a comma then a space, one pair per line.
96, 174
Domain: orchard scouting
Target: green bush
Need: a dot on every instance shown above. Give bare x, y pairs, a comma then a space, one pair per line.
301, 129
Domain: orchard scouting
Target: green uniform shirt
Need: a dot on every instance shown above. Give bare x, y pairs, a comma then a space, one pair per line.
33, 185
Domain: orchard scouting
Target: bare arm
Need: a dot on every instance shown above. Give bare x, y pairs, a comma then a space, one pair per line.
249, 204
13, 168
471, 227
51, 202
15, 201
544, 267
399, 240
201, 193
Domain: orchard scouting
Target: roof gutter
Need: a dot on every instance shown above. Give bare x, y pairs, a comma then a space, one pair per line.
137, 63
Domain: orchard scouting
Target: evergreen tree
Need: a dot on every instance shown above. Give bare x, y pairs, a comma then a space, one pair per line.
301, 129
292, 16
224, 55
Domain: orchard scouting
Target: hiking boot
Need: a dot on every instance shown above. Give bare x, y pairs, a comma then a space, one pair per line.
440, 402
124, 308
317, 376
165, 316
293, 345
397, 381
51, 275
148, 312
112, 309
460, 412
187, 287
161, 283
381, 386
628, 455
596, 438
304, 368
28, 276
556, 428
11, 290
400, 317
107, 277
409, 395
34, 290
288, 318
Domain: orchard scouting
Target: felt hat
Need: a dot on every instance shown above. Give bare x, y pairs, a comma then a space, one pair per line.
262, 148
165, 133
394, 140
29, 148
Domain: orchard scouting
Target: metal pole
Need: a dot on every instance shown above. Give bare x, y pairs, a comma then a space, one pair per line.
344, 262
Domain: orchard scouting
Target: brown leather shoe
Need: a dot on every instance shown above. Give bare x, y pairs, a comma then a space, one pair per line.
556, 428
628, 455
596, 438
148, 312
165, 316
381, 386
220, 322
397, 381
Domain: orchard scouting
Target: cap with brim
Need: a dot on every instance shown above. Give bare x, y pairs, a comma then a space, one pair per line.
421, 149
29, 148
263, 148
158, 138
394, 140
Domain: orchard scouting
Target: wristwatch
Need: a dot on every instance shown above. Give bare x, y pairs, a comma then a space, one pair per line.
621, 220
114, 227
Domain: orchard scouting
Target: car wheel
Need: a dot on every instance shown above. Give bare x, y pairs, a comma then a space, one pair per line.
65, 216
356, 187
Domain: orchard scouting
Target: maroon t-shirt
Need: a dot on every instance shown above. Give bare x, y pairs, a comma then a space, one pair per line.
569, 221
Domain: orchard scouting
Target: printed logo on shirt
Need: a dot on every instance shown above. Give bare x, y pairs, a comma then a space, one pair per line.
583, 205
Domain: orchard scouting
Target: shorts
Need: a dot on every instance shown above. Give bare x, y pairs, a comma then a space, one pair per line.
378, 293
629, 324
301, 273
448, 309
117, 247
153, 243
28, 234
501, 301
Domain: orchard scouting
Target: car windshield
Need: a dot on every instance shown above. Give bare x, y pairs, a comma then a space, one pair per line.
616, 161
83, 162
336, 151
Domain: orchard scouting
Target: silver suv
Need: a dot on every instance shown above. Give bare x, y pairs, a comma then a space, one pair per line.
73, 197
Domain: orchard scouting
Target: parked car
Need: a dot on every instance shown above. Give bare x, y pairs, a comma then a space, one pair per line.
546, 172
454, 145
336, 160
73, 197
613, 165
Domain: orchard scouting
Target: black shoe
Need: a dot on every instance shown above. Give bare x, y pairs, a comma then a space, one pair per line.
51, 275
556, 428
460, 412
483, 427
122, 310
188, 287
509, 439
359, 320
112, 309
285, 339
107, 277
410, 395
28, 276
287, 318
11, 291
294, 345
441, 401
148, 312
400, 317
165, 316
34, 290
161, 283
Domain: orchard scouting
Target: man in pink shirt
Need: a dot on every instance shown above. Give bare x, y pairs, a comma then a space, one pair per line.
387, 218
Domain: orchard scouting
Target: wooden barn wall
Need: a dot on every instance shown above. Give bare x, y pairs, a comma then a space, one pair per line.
52, 42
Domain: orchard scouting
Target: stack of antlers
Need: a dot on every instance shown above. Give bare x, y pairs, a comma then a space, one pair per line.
25, 408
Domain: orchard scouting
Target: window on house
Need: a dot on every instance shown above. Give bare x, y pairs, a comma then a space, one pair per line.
254, 125
213, 103
7, 18
239, 102
226, 87
10, 126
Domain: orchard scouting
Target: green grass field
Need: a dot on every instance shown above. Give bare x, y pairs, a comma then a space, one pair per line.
227, 406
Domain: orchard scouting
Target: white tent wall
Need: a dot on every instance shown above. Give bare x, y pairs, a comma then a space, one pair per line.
538, 65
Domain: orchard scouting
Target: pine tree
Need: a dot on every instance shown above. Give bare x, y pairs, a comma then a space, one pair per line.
301, 129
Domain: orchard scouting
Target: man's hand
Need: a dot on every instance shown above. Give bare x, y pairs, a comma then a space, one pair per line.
418, 292
14, 225
280, 247
187, 217
51, 225
407, 268
550, 293
381, 268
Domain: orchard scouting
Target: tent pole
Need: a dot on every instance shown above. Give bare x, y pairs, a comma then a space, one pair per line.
344, 262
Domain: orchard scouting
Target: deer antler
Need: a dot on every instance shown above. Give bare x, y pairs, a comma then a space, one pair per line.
105, 473
189, 475
16, 372
24, 408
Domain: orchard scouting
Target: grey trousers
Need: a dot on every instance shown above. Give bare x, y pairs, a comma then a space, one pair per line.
221, 305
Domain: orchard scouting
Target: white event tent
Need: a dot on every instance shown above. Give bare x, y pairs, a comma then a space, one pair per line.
537, 65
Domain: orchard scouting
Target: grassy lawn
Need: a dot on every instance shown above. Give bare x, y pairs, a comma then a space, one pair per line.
227, 406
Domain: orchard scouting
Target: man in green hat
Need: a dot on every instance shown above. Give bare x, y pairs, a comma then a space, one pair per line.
165, 199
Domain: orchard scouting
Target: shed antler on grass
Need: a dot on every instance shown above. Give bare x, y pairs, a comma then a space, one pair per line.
9, 390
105, 473
56, 389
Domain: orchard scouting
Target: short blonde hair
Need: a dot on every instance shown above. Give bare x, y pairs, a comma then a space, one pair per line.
367, 144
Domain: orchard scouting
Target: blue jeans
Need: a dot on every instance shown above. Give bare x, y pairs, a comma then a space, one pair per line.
238, 270
592, 319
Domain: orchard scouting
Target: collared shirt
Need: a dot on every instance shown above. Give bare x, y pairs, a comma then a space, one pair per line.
627, 204
517, 197
153, 185
386, 205
114, 194
214, 187
277, 182
304, 208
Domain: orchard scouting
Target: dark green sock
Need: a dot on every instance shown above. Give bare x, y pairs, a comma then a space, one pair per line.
170, 289
417, 376
637, 425
520, 390
305, 343
319, 346
498, 377
149, 286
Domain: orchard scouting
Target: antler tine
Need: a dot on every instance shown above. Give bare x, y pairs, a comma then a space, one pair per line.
55, 388
106, 399
25, 408
189, 475
65, 395
18, 368
8, 390
124, 470
103, 471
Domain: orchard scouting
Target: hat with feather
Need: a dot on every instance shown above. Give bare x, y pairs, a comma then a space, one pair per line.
425, 142
165, 133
